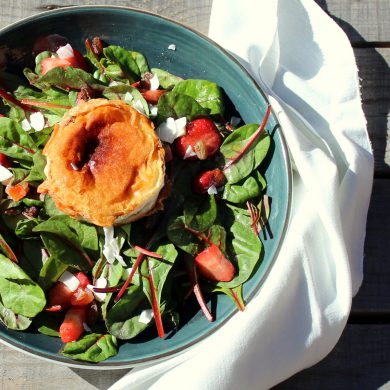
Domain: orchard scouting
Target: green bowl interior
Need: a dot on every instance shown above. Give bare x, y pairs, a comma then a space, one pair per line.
195, 57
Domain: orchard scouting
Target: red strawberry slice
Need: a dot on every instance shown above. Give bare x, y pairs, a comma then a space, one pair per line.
4, 161
59, 295
152, 96
83, 279
72, 327
213, 265
205, 180
81, 297
203, 137
76, 61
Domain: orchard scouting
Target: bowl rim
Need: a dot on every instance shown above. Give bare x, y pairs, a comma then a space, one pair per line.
106, 365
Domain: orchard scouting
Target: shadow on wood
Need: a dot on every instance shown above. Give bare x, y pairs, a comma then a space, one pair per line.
100, 379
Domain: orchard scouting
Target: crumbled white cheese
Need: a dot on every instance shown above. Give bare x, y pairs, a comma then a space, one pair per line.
128, 97
171, 129
113, 83
189, 152
172, 46
5, 175
26, 125
37, 121
70, 281
65, 51
146, 316
154, 82
111, 246
153, 110
100, 283
139, 107
212, 190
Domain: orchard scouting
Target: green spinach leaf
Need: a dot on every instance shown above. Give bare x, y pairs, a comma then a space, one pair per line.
251, 159
92, 348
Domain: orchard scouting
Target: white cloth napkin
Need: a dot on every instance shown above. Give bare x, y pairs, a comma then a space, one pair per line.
305, 63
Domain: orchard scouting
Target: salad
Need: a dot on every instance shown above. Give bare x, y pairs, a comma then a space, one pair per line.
96, 286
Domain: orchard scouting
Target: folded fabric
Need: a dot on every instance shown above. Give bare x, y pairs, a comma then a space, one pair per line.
305, 63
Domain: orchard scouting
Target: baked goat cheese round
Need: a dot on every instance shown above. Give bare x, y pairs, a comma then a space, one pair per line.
105, 163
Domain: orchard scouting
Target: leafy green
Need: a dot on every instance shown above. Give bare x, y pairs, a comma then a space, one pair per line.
12, 320
167, 80
207, 93
181, 237
119, 92
92, 348
141, 62
51, 271
159, 269
37, 170
122, 319
251, 159
244, 190
176, 105
200, 212
49, 323
245, 250
80, 234
18, 292
124, 59
15, 142
68, 77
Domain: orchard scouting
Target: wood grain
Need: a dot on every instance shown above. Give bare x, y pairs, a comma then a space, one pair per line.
374, 73
361, 20
192, 13
374, 294
361, 360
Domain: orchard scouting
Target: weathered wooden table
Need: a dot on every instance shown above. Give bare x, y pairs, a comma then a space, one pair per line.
361, 359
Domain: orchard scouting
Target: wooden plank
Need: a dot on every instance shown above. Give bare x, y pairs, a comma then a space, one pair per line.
361, 20
22, 372
374, 72
360, 360
192, 13
374, 294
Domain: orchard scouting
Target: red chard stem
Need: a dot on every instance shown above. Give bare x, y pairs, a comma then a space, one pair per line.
252, 139
155, 305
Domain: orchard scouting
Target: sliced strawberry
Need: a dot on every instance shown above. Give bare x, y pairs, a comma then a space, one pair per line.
72, 327
83, 279
4, 161
202, 136
213, 265
59, 295
207, 179
152, 96
18, 191
76, 61
81, 297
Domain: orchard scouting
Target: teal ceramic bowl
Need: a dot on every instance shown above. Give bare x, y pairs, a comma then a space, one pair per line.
195, 56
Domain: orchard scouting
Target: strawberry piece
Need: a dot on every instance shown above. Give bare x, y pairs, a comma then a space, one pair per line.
83, 279
213, 265
81, 297
72, 327
202, 136
152, 96
59, 295
18, 191
4, 161
205, 180
76, 61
